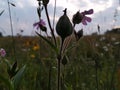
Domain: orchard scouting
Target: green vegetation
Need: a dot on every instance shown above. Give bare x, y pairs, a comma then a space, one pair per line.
93, 64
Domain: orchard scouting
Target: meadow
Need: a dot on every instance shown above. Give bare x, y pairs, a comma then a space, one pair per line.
93, 64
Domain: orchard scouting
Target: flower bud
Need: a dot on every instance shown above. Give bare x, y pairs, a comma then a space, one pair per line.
64, 26
78, 34
45, 2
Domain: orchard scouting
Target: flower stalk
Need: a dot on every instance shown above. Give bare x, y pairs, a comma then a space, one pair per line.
52, 31
59, 63
13, 40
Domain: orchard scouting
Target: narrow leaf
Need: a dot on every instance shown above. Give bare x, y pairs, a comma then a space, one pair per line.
51, 44
18, 77
2, 12
14, 67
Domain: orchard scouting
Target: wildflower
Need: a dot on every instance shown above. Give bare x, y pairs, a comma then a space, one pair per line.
116, 43
41, 24
81, 17
113, 38
105, 48
36, 47
2, 52
27, 43
85, 18
102, 38
32, 56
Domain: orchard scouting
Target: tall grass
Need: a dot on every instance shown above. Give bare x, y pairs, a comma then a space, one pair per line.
79, 72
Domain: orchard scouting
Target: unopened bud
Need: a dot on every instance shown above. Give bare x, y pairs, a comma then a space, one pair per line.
64, 26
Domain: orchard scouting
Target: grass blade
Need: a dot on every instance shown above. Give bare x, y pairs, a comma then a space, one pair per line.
18, 76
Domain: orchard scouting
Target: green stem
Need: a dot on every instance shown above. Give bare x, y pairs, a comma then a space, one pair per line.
52, 31
58, 74
49, 82
112, 76
13, 40
96, 72
59, 60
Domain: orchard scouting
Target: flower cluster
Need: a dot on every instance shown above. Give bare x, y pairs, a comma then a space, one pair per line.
2, 52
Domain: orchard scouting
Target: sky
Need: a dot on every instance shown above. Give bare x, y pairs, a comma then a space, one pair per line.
106, 15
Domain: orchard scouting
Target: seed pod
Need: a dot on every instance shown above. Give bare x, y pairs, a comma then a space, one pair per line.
64, 26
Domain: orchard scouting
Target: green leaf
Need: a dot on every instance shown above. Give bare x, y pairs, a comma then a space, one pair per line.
18, 77
2, 12
13, 70
51, 44
6, 82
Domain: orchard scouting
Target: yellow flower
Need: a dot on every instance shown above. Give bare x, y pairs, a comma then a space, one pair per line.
36, 47
32, 56
27, 43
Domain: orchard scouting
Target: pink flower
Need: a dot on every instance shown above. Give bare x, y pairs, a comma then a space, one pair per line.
2, 52
39, 24
86, 19
81, 17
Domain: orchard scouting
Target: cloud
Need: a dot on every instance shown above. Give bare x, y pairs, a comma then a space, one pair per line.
26, 3
24, 14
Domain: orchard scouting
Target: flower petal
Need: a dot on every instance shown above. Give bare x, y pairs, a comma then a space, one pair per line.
84, 21
88, 19
37, 27
42, 22
2, 52
87, 12
35, 24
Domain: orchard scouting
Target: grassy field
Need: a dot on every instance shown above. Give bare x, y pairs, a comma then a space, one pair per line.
94, 64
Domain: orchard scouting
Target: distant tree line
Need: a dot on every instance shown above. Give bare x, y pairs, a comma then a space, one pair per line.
1, 35
113, 31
